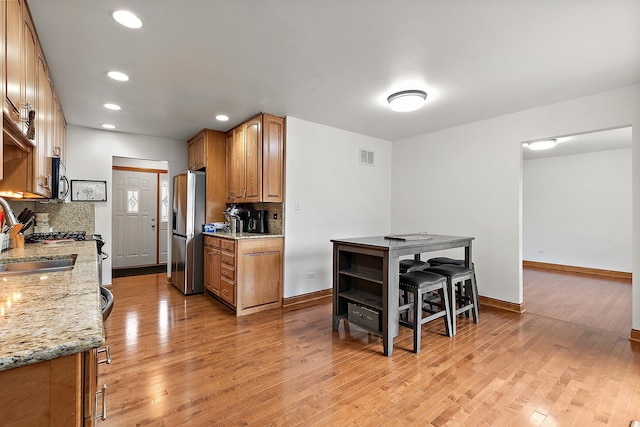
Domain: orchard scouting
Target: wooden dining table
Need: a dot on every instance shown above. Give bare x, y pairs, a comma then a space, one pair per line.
366, 277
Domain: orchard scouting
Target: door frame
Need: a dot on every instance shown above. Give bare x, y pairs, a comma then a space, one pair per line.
158, 172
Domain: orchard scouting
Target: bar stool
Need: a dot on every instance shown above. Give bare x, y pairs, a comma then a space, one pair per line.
420, 284
434, 262
409, 265
464, 291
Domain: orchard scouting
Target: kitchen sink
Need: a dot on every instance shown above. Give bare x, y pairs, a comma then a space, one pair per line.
38, 264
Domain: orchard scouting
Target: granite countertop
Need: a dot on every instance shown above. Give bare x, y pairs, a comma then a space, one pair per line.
49, 315
240, 236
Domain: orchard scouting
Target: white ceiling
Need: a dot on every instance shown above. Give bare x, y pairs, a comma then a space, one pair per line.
332, 62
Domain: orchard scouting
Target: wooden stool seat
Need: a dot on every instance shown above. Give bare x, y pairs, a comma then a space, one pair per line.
420, 284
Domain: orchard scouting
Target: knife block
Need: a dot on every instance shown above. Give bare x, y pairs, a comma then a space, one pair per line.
17, 241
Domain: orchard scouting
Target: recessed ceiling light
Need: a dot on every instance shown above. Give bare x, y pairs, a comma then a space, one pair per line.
126, 18
407, 100
542, 145
107, 126
114, 107
117, 75
222, 117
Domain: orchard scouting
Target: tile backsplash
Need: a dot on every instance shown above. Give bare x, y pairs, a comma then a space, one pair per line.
62, 216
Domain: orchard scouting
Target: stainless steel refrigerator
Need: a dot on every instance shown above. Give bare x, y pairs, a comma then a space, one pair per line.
187, 241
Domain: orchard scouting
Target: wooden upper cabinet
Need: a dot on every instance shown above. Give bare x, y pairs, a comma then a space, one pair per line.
26, 84
13, 57
273, 149
2, 83
43, 134
197, 154
30, 47
236, 177
255, 160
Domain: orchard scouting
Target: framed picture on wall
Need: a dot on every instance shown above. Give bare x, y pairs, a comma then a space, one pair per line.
88, 191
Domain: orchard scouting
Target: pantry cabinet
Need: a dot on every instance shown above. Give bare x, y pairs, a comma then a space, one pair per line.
255, 161
245, 274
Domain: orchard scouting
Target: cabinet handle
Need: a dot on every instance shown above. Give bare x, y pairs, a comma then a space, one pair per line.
48, 181
244, 193
103, 392
226, 291
107, 351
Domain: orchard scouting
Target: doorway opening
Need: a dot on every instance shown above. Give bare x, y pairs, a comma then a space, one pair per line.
140, 216
576, 230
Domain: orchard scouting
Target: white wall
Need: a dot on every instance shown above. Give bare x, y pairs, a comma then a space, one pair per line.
576, 210
337, 196
466, 180
89, 156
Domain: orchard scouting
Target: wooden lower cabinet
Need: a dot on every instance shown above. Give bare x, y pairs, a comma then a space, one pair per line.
249, 272
212, 265
58, 392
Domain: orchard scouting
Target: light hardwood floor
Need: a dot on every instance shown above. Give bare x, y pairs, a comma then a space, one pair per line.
188, 361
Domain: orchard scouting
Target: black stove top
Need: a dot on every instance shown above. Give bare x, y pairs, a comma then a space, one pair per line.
56, 235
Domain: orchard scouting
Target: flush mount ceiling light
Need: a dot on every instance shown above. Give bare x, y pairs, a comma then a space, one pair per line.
542, 145
114, 107
107, 126
222, 117
407, 100
117, 75
126, 18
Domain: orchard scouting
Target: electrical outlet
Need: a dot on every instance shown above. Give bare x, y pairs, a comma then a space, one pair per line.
311, 275
298, 207
275, 215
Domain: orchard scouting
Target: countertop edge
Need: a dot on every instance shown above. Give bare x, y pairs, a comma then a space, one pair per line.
242, 236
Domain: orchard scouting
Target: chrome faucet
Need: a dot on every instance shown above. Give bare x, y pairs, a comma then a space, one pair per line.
8, 213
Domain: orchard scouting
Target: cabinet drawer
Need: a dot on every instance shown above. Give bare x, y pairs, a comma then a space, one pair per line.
228, 291
228, 272
212, 241
227, 258
228, 245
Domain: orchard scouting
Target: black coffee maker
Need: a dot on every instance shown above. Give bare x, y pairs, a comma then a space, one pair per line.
257, 221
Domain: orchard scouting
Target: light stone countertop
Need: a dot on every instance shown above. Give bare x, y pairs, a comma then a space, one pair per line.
241, 235
44, 316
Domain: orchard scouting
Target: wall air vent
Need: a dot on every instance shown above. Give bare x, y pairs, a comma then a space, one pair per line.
366, 157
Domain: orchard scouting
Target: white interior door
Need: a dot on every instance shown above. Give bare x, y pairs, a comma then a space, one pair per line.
135, 207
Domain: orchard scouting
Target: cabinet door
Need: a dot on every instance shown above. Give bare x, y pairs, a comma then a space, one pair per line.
42, 161
253, 160
13, 77
30, 49
236, 166
196, 152
272, 159
212, 270
2, 83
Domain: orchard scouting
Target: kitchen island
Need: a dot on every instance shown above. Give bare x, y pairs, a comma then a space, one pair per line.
50, 327
366, 276
244, 271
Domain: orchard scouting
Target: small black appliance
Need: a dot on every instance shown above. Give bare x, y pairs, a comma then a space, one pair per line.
257, 221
